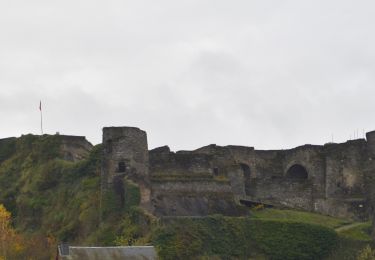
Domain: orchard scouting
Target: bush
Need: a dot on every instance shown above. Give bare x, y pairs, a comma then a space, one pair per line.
366, 253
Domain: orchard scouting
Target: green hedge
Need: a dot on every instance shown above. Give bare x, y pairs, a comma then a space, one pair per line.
241, 238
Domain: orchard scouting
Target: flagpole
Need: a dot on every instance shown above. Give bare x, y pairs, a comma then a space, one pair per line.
41, 117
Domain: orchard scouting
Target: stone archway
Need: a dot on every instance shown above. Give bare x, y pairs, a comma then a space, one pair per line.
297, 172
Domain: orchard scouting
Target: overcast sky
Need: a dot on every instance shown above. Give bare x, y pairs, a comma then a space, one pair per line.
270, 74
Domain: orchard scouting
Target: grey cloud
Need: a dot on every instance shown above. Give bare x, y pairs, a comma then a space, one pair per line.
269, 74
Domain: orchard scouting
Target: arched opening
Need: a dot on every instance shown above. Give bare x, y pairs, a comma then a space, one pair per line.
297, 172
247, 177
121, 167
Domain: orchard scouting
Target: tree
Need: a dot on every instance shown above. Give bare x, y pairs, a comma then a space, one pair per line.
5, 231
10, 242
366, 253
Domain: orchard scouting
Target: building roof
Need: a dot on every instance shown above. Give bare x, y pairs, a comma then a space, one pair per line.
104, 253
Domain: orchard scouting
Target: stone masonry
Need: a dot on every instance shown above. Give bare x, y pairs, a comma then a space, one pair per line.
331, 179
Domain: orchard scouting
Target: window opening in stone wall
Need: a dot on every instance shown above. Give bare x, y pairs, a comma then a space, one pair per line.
121, 167
247, 177
216, 171
297, 172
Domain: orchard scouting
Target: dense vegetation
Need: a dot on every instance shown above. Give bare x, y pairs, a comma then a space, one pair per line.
52, 197
53, 200
47, 194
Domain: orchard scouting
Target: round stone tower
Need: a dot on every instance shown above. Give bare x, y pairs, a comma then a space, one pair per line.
125, 155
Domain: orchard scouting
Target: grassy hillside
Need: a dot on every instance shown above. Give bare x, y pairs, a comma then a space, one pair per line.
45, 193
266, 234
243, 238
54, 198
352, 236
300, 216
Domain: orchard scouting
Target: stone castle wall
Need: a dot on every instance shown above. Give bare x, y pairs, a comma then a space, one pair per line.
328, 179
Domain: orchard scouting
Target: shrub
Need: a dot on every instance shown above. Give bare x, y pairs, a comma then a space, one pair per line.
366, 253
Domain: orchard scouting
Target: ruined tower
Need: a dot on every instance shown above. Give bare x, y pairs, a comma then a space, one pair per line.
125, 156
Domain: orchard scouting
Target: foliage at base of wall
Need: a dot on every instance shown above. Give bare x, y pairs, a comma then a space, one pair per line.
242, 237
114, 205
123, 223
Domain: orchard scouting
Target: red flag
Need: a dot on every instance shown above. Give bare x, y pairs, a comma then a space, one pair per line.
40, 105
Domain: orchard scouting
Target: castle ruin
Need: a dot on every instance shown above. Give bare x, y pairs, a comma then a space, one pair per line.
331, 179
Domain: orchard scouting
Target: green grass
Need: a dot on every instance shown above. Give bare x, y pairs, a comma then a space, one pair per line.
299, 216
243, 238
275, 233
352, 236
360, 232
346, 249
